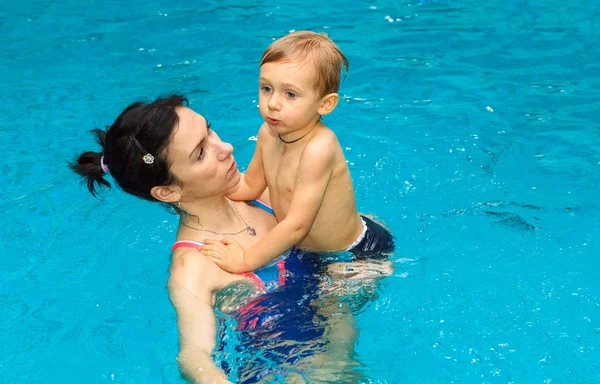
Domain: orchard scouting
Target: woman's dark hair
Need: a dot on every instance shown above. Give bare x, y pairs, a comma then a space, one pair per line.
142, 128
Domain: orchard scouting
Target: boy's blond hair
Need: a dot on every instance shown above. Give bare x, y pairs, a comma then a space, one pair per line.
314, 48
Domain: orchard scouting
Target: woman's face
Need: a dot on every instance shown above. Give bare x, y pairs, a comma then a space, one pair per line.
199, 159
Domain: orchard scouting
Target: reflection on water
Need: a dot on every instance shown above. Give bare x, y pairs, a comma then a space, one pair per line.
305, 329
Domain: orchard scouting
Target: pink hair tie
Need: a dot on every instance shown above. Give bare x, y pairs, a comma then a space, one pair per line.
103, 165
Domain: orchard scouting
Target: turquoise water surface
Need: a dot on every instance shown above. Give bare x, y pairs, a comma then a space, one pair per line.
471, 128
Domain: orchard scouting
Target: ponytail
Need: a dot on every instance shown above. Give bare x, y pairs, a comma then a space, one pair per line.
134, 149
88, 165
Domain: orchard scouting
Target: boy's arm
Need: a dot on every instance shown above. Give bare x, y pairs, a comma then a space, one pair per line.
253, 182
312, 178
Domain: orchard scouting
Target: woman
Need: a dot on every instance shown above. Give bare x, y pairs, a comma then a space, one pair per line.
165, 152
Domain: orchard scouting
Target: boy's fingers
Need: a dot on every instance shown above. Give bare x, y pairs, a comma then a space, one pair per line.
213, 242
217, 261
212, 247
227, 241
217, 245
211, 253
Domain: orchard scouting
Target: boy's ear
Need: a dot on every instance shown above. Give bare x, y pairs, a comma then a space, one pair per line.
166, 194
328, 104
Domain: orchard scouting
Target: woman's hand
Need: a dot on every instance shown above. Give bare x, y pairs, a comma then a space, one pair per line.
227, 254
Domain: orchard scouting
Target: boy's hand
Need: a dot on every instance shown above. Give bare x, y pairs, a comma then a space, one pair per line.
227, 254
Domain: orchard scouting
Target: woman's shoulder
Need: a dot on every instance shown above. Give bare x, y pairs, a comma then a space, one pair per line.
195, 272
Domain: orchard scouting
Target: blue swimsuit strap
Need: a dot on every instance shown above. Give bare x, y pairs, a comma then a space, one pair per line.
262, 205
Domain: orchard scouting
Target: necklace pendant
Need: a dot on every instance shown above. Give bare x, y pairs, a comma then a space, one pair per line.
251, 231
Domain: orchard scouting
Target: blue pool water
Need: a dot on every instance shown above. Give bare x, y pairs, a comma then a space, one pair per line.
472, 129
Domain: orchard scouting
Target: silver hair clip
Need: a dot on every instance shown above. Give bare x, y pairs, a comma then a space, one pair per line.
148, 158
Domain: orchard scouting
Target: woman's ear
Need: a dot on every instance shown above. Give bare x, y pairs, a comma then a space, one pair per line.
166, 194
328, 103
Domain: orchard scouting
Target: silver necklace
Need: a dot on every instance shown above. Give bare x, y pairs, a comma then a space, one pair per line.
251, 231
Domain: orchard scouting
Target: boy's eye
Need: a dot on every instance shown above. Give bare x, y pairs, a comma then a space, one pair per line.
290, 94
266, 88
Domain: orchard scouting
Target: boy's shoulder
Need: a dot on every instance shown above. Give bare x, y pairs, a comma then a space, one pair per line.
265, 133
324, 144
324, 138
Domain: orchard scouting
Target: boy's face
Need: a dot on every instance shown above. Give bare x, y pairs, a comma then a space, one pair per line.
287, 99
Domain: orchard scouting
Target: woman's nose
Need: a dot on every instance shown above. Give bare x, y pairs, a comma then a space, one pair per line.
225, 150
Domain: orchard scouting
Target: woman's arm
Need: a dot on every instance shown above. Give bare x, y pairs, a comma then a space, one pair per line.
191, 288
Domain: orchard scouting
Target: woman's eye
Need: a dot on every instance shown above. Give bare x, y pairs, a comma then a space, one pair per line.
291, 95
208, 133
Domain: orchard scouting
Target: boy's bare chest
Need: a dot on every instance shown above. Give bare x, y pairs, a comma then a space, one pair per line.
281, 167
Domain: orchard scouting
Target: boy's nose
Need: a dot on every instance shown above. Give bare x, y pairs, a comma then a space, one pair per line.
274, 103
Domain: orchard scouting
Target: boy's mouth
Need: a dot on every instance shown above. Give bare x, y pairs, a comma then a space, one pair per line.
272, 121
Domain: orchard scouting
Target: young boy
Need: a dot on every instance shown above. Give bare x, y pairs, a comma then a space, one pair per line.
301, 161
